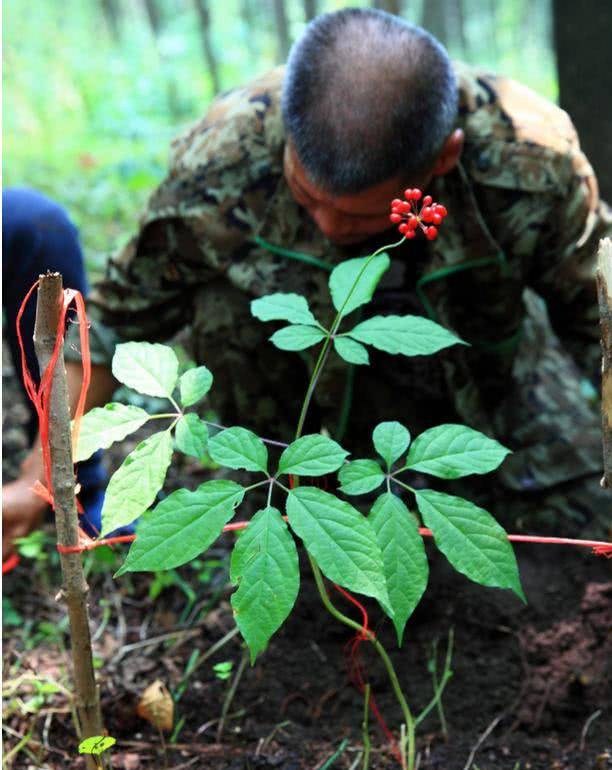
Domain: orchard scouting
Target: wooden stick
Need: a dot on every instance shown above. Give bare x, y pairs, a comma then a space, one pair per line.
74, 588
604, 293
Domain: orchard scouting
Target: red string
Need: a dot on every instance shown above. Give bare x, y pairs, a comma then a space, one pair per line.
41, 395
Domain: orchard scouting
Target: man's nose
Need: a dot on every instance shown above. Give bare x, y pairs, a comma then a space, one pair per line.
330, 223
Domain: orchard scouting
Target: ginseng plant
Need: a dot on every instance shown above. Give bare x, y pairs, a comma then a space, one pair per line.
379, 555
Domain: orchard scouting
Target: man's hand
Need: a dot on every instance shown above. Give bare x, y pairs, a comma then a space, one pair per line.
22, 511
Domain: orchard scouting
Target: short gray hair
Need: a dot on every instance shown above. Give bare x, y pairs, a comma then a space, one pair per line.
367, 97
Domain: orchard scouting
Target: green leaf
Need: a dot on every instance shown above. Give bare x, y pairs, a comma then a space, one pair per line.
182, 526
391, 439
344, 275
283, 307
404, 559
297, 337
96, 745
191, 436
351, 351
409, 335
451, 451
312, 455
102, 426
194, 384
265, 565
470, 538
134, 486
239, 448
151, 369
340, 539
360, 476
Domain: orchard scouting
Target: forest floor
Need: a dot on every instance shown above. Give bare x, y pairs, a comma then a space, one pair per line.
530, 687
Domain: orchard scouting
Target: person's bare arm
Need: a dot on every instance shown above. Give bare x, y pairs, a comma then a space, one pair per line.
22, 510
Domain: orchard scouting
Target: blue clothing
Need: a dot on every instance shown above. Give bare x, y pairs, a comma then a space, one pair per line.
37, 236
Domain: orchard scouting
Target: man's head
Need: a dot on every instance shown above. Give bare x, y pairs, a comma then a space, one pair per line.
369, 104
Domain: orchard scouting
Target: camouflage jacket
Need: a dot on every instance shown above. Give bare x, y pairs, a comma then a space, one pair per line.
524, 217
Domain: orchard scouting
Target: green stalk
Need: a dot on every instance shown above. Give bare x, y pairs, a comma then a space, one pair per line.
325, 349
410, 723
409, 719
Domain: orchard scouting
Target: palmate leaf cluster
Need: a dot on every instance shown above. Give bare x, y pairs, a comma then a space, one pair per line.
380, 554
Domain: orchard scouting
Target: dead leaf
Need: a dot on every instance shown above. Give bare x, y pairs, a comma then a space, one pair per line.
156, 706
128, 761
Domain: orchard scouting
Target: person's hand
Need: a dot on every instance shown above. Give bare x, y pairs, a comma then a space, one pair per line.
22, 511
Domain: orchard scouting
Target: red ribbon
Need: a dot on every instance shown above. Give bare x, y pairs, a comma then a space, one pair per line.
41, 395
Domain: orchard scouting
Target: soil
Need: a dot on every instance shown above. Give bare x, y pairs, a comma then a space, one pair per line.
530, 687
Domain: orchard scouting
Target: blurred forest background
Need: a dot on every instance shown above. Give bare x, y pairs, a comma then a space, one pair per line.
94, 90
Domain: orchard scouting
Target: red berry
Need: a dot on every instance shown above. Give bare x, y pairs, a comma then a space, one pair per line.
435, 218
403, 228
404, 207
412, 222
417, 194
408, 193
395, 203
431, 233
410, 234
441, 210
396, 217
426, 214
427, 200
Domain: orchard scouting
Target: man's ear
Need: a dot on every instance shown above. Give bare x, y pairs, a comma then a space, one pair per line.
450, 153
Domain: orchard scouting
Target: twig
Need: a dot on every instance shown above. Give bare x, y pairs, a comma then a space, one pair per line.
154, 640
230, 694
75, 588
604, 294
482, 739
595, 715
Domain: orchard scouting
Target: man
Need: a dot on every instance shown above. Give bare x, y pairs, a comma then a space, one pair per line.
294, 173
37, 236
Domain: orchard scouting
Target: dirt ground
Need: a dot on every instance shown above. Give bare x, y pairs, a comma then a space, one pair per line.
530, 687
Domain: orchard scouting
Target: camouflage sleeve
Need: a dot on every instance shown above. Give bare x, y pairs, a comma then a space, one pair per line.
149, 286
565, 264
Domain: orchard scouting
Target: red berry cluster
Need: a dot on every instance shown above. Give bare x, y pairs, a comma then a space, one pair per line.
408, 216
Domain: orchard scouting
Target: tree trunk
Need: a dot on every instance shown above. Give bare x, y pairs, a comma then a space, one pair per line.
391, 6
112, 17
282, 29
153, 15
207, 48
74, 588
435, 20
584, 65
249, 22
310, 9
604, 292
459, 19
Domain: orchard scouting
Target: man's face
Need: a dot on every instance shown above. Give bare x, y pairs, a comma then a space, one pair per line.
343, 219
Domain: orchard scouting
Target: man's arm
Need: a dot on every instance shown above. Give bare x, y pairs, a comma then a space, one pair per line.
563, 271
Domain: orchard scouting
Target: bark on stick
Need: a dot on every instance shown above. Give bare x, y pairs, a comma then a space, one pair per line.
74, 587
604, 291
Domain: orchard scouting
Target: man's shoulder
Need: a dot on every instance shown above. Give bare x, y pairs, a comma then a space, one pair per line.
242, 129
515, 138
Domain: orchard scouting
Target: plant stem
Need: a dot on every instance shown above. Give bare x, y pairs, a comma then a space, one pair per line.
176, 406
74, 588
439, 685
174, 415
231, 692
364, 728
326, 345
315, 568
409, 719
